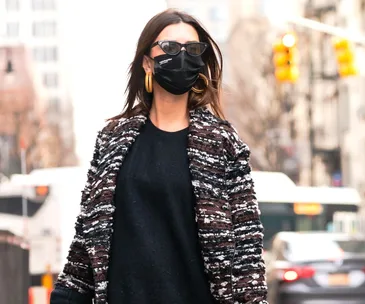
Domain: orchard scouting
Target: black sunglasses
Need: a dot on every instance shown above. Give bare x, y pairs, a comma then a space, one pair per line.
174, 47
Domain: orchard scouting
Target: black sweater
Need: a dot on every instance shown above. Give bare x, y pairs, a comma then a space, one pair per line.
155, 254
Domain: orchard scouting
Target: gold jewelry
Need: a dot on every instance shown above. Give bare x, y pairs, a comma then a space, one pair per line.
148, 82
206, 82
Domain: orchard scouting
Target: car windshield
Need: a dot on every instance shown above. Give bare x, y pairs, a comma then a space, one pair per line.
312, 247
352, 246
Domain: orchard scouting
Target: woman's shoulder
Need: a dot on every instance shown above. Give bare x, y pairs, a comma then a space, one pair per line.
232, 142
125, 123
111, 124
107, 128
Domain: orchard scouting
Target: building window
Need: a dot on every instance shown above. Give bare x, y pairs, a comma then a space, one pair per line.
347, 172
44, 29
53, 110
344, 108
50, 80
12, 5
54, 105
362, 14
12, 29
45, 54
43, 5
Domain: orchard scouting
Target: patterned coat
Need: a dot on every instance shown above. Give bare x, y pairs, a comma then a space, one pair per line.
227, 213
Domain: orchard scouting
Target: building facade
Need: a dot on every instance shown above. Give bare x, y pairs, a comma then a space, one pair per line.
36, 25
352, 101
22, 115
328, 110
324, 123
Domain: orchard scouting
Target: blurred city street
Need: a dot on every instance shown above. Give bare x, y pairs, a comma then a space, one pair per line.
293, 87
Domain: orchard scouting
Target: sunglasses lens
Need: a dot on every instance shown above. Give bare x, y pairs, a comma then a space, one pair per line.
196, 48
170, 47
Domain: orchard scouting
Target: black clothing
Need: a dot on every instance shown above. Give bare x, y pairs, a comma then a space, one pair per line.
155, 254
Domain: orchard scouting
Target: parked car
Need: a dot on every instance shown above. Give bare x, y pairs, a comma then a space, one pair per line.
350, 244
315, 268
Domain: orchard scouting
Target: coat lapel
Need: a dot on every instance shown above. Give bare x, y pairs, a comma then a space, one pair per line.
205, 152
213, 215
101, 207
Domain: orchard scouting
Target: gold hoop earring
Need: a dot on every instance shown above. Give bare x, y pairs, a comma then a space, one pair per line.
148, 82
206, 82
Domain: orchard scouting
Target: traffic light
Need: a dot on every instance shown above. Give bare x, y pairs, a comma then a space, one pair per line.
345, 57
47, 278
286, 58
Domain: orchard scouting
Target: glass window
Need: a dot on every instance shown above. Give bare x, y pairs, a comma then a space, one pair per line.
12, 5
12, 29
44, 29
54, 104
45, 54
310, 223
12, 205
43, 5
362, 11
352, 246
276, 223
50, 80
300, 247
53, 110
344, 108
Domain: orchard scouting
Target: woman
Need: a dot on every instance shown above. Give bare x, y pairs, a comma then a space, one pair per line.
168, 214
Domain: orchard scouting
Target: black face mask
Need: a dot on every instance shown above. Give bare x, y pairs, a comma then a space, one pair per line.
177, 74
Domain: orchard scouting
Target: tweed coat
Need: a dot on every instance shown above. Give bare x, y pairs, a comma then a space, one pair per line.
227, 213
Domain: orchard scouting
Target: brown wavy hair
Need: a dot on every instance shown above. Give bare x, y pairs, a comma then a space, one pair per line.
139, 101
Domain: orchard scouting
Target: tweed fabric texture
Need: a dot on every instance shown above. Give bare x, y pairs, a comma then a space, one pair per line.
227, 213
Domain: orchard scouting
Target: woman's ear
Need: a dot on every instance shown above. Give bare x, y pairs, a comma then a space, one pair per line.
147, 64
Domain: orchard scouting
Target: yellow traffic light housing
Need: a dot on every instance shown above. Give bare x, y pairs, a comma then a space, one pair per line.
345, 57
286, 58
47, 278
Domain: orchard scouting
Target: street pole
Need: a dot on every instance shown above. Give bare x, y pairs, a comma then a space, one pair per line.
310, 113
325, 29
310, 101
23, 161
356, 38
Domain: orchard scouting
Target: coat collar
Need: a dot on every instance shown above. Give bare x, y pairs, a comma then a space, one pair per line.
118, 138
134, 123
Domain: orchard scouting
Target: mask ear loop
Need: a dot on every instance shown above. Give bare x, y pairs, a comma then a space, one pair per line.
206, 82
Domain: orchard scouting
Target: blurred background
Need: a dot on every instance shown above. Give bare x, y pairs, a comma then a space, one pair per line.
293, 86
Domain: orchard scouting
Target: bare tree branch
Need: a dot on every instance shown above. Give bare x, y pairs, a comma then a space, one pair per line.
253, 102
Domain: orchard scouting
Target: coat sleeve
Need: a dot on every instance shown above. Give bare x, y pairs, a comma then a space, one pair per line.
77, 276
248, 268
61, 295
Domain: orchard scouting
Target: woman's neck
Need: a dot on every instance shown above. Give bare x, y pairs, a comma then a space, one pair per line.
169, 112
